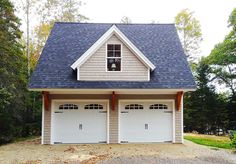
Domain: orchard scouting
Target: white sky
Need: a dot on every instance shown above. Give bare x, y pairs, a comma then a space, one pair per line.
212, 14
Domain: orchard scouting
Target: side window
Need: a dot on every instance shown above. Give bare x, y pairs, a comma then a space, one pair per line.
133, 106
113, 57
158, 106
68, 106
93, 106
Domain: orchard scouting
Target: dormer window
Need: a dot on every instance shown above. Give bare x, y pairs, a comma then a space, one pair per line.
113, 57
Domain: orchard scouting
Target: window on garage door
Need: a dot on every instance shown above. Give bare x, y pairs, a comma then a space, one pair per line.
158, 106
93, 106
68, 106
133, 106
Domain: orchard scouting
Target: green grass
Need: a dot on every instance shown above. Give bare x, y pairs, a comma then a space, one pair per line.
219, 142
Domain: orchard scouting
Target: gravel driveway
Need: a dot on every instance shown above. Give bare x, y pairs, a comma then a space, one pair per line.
32, 152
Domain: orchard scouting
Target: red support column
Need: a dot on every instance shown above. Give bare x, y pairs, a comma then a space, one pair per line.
46, 100
178, 100
113, 99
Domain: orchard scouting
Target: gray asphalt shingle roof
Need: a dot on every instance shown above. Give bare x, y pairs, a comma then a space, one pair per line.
68, 41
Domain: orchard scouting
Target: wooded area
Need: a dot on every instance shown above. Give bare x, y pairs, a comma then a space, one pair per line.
207, 110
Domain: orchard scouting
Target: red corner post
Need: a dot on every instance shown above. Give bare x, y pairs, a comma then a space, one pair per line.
113, 99
46, 100
178, 100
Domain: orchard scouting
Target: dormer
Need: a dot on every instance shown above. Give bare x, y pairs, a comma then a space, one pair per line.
113, 57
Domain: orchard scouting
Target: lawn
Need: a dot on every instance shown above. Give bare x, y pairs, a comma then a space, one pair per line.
209, 140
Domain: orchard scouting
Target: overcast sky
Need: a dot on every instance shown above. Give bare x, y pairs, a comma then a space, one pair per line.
212, 14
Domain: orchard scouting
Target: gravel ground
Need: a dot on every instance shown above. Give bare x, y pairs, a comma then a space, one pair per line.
31, 151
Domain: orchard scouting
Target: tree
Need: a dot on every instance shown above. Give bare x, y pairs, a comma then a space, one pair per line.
17, 111
12, 70
223, 57
223, 64
190, 33
61, 10
205, 110
125, 20
50, 12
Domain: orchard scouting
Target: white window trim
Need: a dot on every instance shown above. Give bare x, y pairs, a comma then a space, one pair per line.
138, 104
147, 100
89, 105
121, 62
76, 100
158, 105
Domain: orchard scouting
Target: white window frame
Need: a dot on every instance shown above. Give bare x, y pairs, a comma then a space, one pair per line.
93, 107
157, 106
121, 48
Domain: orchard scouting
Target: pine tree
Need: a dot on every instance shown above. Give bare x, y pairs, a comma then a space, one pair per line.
12, 71
202, 106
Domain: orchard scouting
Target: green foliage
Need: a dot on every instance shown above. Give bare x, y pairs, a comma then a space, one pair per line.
233, 141
17, 111
190, 32
204, 109
61, 10
232, 19
231, 134
223, 58
222, 61
214, 142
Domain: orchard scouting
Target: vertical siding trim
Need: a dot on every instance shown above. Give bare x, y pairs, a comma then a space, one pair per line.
42, 124
182, 118
173, 128
108, 121
78, 74
148, 72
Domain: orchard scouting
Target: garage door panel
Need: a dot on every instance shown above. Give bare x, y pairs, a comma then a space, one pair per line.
87, 124
153, 123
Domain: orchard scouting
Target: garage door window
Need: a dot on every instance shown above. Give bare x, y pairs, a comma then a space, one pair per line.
68, 107
133, 106
158, 106
93, 106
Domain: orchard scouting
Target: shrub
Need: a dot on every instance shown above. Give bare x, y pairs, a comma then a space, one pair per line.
231, 134
233, 141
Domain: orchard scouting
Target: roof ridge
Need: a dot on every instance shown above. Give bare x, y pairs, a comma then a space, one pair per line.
115, 23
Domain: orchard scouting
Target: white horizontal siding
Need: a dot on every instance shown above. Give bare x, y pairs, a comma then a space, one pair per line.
95, 67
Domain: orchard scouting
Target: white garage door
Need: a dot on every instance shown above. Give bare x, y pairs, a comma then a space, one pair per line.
150, 121
79, 122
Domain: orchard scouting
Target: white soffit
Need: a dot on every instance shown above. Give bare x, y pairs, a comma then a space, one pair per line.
103, 39
109, 91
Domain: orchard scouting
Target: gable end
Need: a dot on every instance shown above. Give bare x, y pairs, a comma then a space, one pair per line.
103, 39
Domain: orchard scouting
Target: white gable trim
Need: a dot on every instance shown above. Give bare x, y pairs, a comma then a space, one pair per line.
103, 39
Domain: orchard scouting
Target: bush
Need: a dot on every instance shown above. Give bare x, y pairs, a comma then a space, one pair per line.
233, 141
232, 135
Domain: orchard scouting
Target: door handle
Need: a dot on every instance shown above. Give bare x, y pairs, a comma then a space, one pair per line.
146, 126
80, 126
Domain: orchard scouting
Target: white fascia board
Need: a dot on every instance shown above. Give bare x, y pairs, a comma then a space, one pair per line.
109, 91
103, 39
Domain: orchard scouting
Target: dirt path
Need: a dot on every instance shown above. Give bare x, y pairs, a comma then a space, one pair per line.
32, 152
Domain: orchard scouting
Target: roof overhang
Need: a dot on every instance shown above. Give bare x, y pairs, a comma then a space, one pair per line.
113, 30
109, 91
